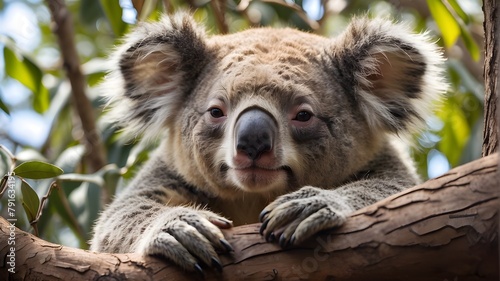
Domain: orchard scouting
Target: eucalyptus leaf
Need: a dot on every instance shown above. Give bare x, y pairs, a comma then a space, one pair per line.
29, 74
470, 44
456, 130
113, 13
450, 28
30, 201
37, 170
459, 11
4, 108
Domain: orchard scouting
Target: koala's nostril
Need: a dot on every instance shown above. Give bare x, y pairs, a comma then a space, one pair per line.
255, 131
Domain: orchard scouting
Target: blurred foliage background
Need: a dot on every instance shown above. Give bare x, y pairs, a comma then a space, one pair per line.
38, 119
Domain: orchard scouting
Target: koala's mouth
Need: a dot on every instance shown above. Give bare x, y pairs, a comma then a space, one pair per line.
260, 179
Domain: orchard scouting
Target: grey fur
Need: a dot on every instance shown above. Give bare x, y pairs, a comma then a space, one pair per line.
375, 80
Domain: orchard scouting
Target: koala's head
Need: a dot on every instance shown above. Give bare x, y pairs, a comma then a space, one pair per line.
271, 110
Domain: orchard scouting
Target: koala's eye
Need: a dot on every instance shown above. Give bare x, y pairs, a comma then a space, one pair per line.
216, 112
303, 116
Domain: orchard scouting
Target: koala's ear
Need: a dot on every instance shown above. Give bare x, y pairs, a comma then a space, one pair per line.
392, 74
154, 70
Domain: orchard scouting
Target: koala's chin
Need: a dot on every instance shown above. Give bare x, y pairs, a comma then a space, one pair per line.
258, 179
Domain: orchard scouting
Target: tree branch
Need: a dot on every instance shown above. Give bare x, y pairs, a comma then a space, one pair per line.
491, 74
63, 29
444, 229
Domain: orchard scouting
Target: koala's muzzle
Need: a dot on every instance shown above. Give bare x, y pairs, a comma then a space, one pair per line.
254, 133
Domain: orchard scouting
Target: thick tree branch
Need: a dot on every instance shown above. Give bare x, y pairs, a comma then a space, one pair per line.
444, 229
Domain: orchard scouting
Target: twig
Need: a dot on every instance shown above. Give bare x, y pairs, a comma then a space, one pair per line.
218, 6
43, 200
167, 7
11, 156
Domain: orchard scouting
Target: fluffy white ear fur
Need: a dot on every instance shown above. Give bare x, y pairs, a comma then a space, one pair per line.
394, 74
153, 70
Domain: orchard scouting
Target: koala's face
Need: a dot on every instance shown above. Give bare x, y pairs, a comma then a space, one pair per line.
272, 110
268, 117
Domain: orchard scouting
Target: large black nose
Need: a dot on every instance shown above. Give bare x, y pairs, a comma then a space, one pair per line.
254, 133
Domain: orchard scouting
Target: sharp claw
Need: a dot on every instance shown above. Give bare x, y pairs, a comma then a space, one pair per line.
226, 245
292, 240
216, 263
263, 227
263, 214
198, 269
270, 237
283, 241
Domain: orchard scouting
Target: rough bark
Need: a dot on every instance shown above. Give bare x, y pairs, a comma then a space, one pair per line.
444, 229
491, 76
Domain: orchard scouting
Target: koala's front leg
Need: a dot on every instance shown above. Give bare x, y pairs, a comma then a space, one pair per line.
294, 217
151, 216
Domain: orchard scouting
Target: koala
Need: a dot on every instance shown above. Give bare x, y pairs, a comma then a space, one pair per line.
280, 126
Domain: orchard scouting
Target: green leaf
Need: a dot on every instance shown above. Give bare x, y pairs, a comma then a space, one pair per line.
470, 44
114, 12
95, 70
450, 28
37, 170
4, 108
30, 201
29, 74
455, 132
460, 12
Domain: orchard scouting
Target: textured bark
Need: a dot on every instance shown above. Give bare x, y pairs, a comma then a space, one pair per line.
491, 76
444, 229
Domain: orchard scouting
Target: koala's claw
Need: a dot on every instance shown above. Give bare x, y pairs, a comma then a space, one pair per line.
216, 264
263, 227
283, 241
297, 216
263, 214
199, 270
226, 245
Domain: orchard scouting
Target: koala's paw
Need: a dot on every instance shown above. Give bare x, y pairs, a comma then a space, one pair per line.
186, 236
296, 216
